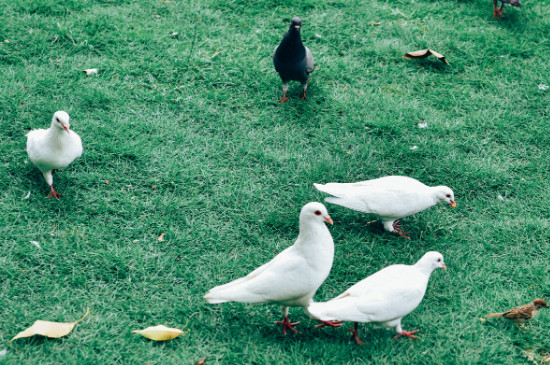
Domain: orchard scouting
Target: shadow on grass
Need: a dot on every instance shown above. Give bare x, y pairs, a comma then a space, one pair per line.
430, 64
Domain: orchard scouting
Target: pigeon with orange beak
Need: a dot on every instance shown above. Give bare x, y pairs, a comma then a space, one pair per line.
384, 297
293, 276
390, 198
53, 148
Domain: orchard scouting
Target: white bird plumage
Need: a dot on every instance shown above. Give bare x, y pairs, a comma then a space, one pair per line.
390, 198
384, 297
53, 148
294, 275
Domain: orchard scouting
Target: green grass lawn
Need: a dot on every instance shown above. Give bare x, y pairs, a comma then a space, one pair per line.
184, 136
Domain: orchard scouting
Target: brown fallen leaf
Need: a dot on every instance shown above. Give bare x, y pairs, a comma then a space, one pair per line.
159, 333
202, 362
425, 53
49, 329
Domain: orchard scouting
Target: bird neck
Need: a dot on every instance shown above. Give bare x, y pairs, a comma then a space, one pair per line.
310, 231
425, 268
291, 43
435, 194
57, 135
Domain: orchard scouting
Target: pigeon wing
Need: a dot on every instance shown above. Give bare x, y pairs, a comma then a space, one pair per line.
310, 64
275, 281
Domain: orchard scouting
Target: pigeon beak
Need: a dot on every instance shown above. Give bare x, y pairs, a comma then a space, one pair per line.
453, 204
66, 127
328, 219
297, 26
444, 267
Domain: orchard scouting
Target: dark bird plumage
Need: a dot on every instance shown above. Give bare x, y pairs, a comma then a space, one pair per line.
498, 12
292, 60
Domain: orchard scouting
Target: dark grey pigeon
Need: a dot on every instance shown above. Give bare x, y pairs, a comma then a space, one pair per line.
292, 60
498, 12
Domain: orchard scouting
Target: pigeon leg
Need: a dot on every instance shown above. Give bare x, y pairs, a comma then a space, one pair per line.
355, 335
497, 12
408, 334
287, 325
53, 193
328, 324
285, 89
398, 231
304, 97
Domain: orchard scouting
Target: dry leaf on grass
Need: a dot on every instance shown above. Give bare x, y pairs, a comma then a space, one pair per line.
49, 329
423, 54
161, 237
159, 333
163, 333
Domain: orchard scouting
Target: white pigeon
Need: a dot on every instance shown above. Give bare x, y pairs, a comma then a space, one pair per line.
53, 148
390, 198
385, 297
293, 276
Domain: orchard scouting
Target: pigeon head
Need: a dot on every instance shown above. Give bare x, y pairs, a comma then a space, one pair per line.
315, 212
61, 120
432, 260
539, 303
295, 24
445, 194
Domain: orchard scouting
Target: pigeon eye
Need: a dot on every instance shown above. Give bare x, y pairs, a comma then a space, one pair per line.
317, 212
438, 260
448, 195
57, 120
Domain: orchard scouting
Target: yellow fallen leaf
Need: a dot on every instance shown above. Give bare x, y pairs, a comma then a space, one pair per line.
425, 53
159, 333
49, 329
161, 237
